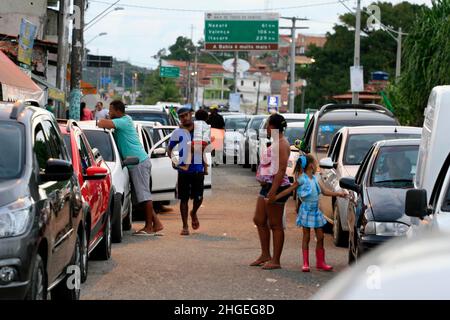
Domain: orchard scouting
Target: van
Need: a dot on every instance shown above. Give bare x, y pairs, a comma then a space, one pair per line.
429, 202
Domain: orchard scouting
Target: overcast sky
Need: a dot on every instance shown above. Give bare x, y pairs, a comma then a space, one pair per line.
145, 26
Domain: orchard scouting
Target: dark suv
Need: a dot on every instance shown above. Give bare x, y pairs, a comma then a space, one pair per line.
40, 208
332, 117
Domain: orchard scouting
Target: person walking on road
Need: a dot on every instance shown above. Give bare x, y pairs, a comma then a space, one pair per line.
191, 179
100, 112
217, 123
129, 146
273, 179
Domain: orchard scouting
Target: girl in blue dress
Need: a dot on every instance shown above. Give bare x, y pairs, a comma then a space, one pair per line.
309, 216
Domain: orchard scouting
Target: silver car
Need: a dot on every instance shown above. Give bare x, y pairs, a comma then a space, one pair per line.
347, 150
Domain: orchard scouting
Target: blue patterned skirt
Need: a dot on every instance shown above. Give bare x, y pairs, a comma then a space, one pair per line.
309, 216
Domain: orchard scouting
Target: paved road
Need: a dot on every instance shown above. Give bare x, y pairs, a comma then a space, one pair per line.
213, 262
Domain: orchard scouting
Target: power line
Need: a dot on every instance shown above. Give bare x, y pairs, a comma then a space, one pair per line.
203, 11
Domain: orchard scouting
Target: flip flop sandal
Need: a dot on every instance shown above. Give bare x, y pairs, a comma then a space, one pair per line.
258, 263
143, 233
185, 232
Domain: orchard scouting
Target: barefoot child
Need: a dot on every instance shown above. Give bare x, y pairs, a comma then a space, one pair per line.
309, 216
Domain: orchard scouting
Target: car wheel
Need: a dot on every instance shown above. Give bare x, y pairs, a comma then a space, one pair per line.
69, 287
254, 168
84, 255
247, 156
353, 249
103, 250
38, 285
127, 223
116, 229
340, 237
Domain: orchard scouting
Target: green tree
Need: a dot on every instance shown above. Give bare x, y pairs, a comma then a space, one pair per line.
426, 62
156, 89
330, 74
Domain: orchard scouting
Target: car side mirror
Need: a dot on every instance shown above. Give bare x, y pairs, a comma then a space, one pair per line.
416, 203
241, 131
349, 183
57, 170
95, 173
130, 161
327, 163
97, 156
159, 152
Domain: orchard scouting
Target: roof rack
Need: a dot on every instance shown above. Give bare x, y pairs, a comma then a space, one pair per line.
375, 107
17, 108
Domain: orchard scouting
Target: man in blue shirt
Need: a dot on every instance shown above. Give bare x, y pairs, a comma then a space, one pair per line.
129, 145
191, 181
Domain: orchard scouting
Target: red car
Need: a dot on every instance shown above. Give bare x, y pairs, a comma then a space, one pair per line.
96, 189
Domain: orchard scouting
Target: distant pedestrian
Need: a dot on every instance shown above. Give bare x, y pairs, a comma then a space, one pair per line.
100, 112
191, 178
215, 120
217, 123
129, 145
309, 188
85, 113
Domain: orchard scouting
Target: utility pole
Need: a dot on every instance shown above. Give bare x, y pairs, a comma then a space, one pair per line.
258, 93
61, 67
235, 73
398, 66
196, 78
357, 57
293, 28
76, 63
123, 79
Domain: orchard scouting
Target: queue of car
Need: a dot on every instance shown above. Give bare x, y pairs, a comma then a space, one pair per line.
74, 200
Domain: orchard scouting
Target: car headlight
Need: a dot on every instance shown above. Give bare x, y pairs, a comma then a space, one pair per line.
15, 218
387, 229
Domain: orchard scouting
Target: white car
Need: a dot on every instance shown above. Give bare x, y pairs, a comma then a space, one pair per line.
403, 269
234, 128
430, 203
248, 138
103, 140
256, 141
347, 151
294, 131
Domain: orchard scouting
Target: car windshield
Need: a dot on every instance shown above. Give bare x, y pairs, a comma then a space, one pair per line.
235, 123
326, 133
11, 151
395, 167
294, 133
102, 141
162, 118
359, 144
256, 124
328, 129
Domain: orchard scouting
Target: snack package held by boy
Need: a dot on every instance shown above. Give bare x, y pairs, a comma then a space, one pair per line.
202, 136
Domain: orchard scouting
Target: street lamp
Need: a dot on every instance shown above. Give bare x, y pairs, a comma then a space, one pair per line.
100, 17
99, 35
